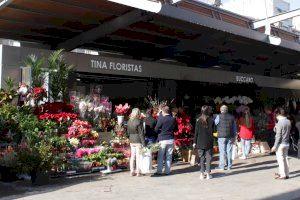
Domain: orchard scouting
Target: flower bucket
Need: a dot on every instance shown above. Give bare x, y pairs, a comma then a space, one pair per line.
264, 147
185, 155
120, 119
40, 178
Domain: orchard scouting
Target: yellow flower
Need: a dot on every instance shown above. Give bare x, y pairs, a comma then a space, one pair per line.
95, 134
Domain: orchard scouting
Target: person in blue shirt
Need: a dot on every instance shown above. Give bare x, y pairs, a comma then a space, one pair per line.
165, 126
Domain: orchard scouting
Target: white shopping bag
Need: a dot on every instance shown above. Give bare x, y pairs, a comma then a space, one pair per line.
234, 152
146, 162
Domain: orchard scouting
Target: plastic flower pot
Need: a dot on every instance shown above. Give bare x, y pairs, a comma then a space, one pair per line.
120, 119
39, 178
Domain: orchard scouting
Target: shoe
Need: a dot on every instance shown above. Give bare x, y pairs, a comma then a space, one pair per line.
282, 178
208, 176
229, 168
139, 175
156, 174
132, 174
243, 157
201, 176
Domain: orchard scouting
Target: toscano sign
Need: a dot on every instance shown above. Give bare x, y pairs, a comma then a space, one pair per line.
116, 66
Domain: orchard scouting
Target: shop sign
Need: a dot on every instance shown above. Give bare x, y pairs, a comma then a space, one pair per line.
116, 66
244, 79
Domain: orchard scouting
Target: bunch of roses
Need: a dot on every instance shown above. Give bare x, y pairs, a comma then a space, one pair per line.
60, 117
57, 107
122, 110
82, 131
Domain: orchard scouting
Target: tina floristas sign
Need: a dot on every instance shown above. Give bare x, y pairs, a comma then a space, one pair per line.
116, 66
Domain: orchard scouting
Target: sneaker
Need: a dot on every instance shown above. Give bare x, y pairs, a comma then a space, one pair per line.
243, 157
201, 176
229, 168
208, 176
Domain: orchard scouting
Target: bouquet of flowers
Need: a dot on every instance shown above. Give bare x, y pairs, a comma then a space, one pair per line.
122, 110
183, 135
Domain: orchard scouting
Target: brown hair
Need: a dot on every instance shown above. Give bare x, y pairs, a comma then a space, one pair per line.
204, 116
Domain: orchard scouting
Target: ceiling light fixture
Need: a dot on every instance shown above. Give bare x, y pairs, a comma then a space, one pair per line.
151, 6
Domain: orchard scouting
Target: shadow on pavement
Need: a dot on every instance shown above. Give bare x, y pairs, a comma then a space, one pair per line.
256, 164
24, 188
292, 195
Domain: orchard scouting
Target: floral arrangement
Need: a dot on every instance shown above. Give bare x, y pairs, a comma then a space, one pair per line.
8, 157
122, 109
153, 148
183, 135
155, 103
120, 131
241, 99
82, 130
94, 109
82, 152
23, 89
60, 117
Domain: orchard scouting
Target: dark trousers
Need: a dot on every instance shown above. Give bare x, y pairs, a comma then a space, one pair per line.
205, 156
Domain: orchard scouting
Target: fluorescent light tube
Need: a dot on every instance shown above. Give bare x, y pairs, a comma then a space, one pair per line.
147, 5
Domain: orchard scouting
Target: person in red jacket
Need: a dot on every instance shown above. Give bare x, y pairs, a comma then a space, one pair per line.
247, 127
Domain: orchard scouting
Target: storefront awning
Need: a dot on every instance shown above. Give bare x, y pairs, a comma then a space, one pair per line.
189, 33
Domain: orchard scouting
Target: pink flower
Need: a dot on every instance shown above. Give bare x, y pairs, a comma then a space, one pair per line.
121, 110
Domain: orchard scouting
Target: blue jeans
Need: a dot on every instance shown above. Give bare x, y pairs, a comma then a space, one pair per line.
165, 155
246, 146
225, 148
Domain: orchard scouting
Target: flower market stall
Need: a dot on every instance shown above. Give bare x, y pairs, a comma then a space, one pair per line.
43, 135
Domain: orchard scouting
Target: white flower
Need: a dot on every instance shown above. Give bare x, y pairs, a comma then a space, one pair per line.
90, 106
23, 90
74, 142
82, 106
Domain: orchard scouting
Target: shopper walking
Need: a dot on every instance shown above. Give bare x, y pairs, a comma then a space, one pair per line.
165, 127
246, 132
226, 128
281, 145
203, 141
136, 134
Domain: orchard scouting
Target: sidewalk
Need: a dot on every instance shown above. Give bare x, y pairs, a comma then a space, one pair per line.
249, 179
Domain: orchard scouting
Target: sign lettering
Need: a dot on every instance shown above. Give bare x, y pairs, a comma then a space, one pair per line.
244, 79
116, 66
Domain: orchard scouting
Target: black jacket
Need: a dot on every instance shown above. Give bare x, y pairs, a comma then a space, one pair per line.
165, 127
203, 137
135, 130
150, 124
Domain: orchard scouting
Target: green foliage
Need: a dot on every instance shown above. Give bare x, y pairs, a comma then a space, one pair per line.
103, 156
36, 65
43, 149
59, 72
9, 93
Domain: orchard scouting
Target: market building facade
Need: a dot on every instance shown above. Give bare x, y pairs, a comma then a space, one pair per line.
184, 50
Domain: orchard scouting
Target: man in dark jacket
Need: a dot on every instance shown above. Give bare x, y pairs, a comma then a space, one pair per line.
226, 127
165, 127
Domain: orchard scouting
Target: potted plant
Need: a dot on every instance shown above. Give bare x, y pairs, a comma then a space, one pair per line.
8, 160
40, 149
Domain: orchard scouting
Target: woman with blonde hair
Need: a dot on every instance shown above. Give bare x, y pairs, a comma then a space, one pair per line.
136, 134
